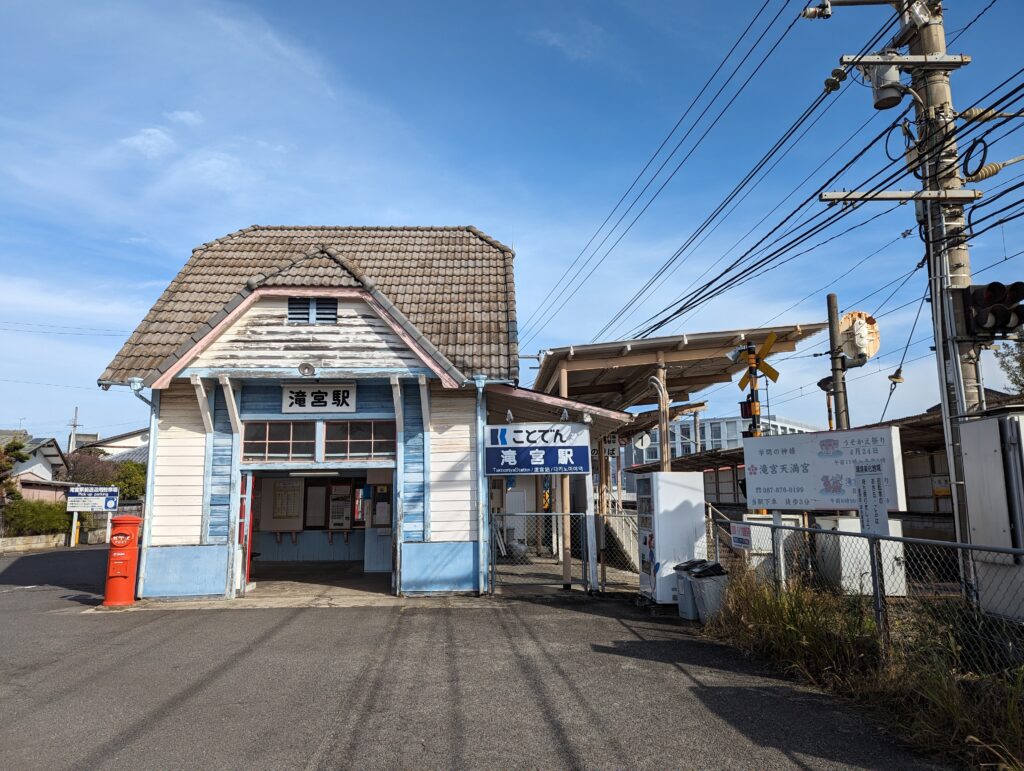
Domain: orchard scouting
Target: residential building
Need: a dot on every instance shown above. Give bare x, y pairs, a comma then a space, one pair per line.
119, 443
36, 477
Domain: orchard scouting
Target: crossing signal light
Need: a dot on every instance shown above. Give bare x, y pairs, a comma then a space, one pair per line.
994, 309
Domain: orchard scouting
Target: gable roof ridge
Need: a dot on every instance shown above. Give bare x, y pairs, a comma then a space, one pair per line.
351, 266
489, 240
261, 278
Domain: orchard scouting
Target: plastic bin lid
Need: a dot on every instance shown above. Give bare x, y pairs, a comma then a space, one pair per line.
709, 570
690, 565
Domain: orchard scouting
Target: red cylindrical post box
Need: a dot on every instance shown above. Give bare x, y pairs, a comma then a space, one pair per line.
123, 561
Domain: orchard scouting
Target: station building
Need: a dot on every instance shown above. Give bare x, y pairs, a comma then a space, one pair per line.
318, 395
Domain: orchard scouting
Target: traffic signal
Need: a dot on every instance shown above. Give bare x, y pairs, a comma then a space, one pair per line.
994, 310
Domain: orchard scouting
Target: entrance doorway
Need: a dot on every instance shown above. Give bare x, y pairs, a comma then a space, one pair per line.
330, 529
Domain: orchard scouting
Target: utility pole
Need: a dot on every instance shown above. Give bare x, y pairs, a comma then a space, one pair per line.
842, 408
73, 439
939, 203
566, 499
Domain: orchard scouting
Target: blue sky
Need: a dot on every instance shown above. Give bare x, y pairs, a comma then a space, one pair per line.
132, 132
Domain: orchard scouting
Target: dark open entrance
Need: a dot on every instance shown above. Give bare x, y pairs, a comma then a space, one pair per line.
327, 528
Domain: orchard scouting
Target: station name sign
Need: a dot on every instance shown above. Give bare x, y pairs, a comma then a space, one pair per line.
315, 398
537, 448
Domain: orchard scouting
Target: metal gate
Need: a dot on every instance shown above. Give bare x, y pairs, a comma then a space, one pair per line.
526, 552
619, 555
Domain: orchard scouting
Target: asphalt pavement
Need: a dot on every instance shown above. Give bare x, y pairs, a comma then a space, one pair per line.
468, 683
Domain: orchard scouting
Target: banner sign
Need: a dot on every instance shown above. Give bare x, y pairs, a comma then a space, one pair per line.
741, 536
92, 498
537, 448
817, 471
318, 397
870, 481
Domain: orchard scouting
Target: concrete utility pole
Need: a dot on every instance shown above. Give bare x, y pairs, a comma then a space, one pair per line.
842, 408
73, 439
940, 204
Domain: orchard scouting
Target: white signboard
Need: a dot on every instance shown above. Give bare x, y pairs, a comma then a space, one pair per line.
92, 498
308, 398
741, 536
817, 471
870, 482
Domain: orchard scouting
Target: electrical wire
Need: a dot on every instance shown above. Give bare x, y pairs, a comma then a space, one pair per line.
553, 309
896, 379
647, 165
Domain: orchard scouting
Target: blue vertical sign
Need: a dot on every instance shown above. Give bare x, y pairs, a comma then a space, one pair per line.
537, 448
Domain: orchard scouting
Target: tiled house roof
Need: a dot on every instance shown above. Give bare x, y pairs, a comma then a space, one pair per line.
455, 284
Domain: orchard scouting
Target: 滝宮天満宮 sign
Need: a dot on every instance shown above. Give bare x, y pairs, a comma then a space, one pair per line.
818, 471
92, 498
318, 397
537, 448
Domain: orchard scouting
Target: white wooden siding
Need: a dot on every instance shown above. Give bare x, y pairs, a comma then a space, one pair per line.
453, 466
180, 464
262, 337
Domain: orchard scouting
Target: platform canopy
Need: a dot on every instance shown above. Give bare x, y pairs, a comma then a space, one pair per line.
528, 406
615, 375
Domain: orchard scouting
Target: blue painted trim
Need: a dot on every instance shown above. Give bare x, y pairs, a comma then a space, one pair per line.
187, 571
147, 511
396, 393
483, 518
334, 417
340, 465
204, 527
425, 407
234, 507
440, 567
279, 373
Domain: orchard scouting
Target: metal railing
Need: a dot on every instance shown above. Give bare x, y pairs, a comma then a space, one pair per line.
917, 591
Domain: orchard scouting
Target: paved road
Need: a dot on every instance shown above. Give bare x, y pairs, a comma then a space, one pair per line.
473, 684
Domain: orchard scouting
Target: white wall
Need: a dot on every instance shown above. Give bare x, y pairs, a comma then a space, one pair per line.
180, 464
453, 466
262, 337
36, 464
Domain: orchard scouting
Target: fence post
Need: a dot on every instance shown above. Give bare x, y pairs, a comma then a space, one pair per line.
715, 536
776, 559
878, 590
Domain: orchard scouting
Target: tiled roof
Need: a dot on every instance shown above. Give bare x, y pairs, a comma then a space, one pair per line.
138, 454
455, 284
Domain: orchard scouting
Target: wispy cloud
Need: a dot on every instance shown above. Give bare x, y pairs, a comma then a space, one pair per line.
580, 41
150, 142
186, 117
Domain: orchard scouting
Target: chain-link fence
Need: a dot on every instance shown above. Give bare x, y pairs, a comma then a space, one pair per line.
526, 551
618, 551
915, 596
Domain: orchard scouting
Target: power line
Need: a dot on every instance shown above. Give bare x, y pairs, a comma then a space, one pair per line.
555, 310
650, 160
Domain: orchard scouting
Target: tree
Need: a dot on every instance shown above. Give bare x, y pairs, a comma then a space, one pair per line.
131, 479
1011, 361
10, 455
89, 468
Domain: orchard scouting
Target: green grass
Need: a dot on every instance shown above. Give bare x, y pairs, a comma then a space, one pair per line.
946, 682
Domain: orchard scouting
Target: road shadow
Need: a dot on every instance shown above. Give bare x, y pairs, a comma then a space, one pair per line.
82, 568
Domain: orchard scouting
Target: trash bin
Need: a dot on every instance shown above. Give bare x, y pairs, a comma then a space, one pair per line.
684, 589
708, 582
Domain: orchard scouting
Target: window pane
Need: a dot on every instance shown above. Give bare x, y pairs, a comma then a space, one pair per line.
279, 432
383, 447
278, 450
360, 430
336, 449
253, 449
303, 432
302, 449
359, 448
255, 431
716, 430
337, 431
384, 430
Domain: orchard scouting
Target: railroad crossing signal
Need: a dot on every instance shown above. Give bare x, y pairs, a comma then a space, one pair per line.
766, 369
